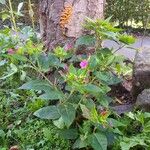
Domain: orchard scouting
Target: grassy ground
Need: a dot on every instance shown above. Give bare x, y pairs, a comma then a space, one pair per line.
19, 127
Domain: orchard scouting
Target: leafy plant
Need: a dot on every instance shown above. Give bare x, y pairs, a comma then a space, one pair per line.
129, 13
31, 13
9, 13
19, 127
136, 133
70, 89
78, 85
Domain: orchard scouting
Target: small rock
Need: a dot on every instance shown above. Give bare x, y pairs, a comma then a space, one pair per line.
14, 148
10, 126
141, 72
127, 84
121, 109
143, 100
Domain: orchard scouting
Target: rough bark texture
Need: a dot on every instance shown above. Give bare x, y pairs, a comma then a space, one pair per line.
141, 72
50, 13
143, 100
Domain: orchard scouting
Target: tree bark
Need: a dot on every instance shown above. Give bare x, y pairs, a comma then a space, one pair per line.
52, 11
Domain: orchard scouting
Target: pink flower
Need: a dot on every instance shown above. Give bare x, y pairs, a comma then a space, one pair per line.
68, 46
10, 51
84, 64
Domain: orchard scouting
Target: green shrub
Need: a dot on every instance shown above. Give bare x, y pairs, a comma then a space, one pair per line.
68, 90
80, 86
129, 11
24, 12
18, 127
17, 124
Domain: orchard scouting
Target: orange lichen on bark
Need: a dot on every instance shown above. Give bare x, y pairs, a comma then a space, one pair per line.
66, 15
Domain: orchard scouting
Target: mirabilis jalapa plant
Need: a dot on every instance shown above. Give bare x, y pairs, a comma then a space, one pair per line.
78, 85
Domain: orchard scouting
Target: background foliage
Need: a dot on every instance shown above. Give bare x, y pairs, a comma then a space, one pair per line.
126, 12
26, 13
71, 89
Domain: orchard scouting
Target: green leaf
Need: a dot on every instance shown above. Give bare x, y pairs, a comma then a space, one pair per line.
87, 40
69, 134
91, 88
12, 71
60, 52
59, 123
108, 78
105, 88
47, 133
48, 61
3, 149
5, 16
19, 57
28, 31
147, 127
23, 75
126, 39
43, 62
117, 131
89, 103
128, 143
85, 111
115, 123
131, 115
118, 68
72, 69
98, 141
94, 61
52, 95
104, 100
146, 115
54, 61
37, 85
110, 60
3, 62
126, 146
50, 92
2, 134
79, 143
49, 112
67, 113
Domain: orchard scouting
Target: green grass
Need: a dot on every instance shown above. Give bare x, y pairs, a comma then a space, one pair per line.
19, 127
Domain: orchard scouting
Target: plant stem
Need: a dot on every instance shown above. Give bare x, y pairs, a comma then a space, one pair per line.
31, 13
120, 47
42, 74
12, 16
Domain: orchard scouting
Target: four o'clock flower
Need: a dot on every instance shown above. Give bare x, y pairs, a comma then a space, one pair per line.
68, 46
11, 51
84, 64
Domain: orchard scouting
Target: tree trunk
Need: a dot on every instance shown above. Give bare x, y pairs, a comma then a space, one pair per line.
61, 20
